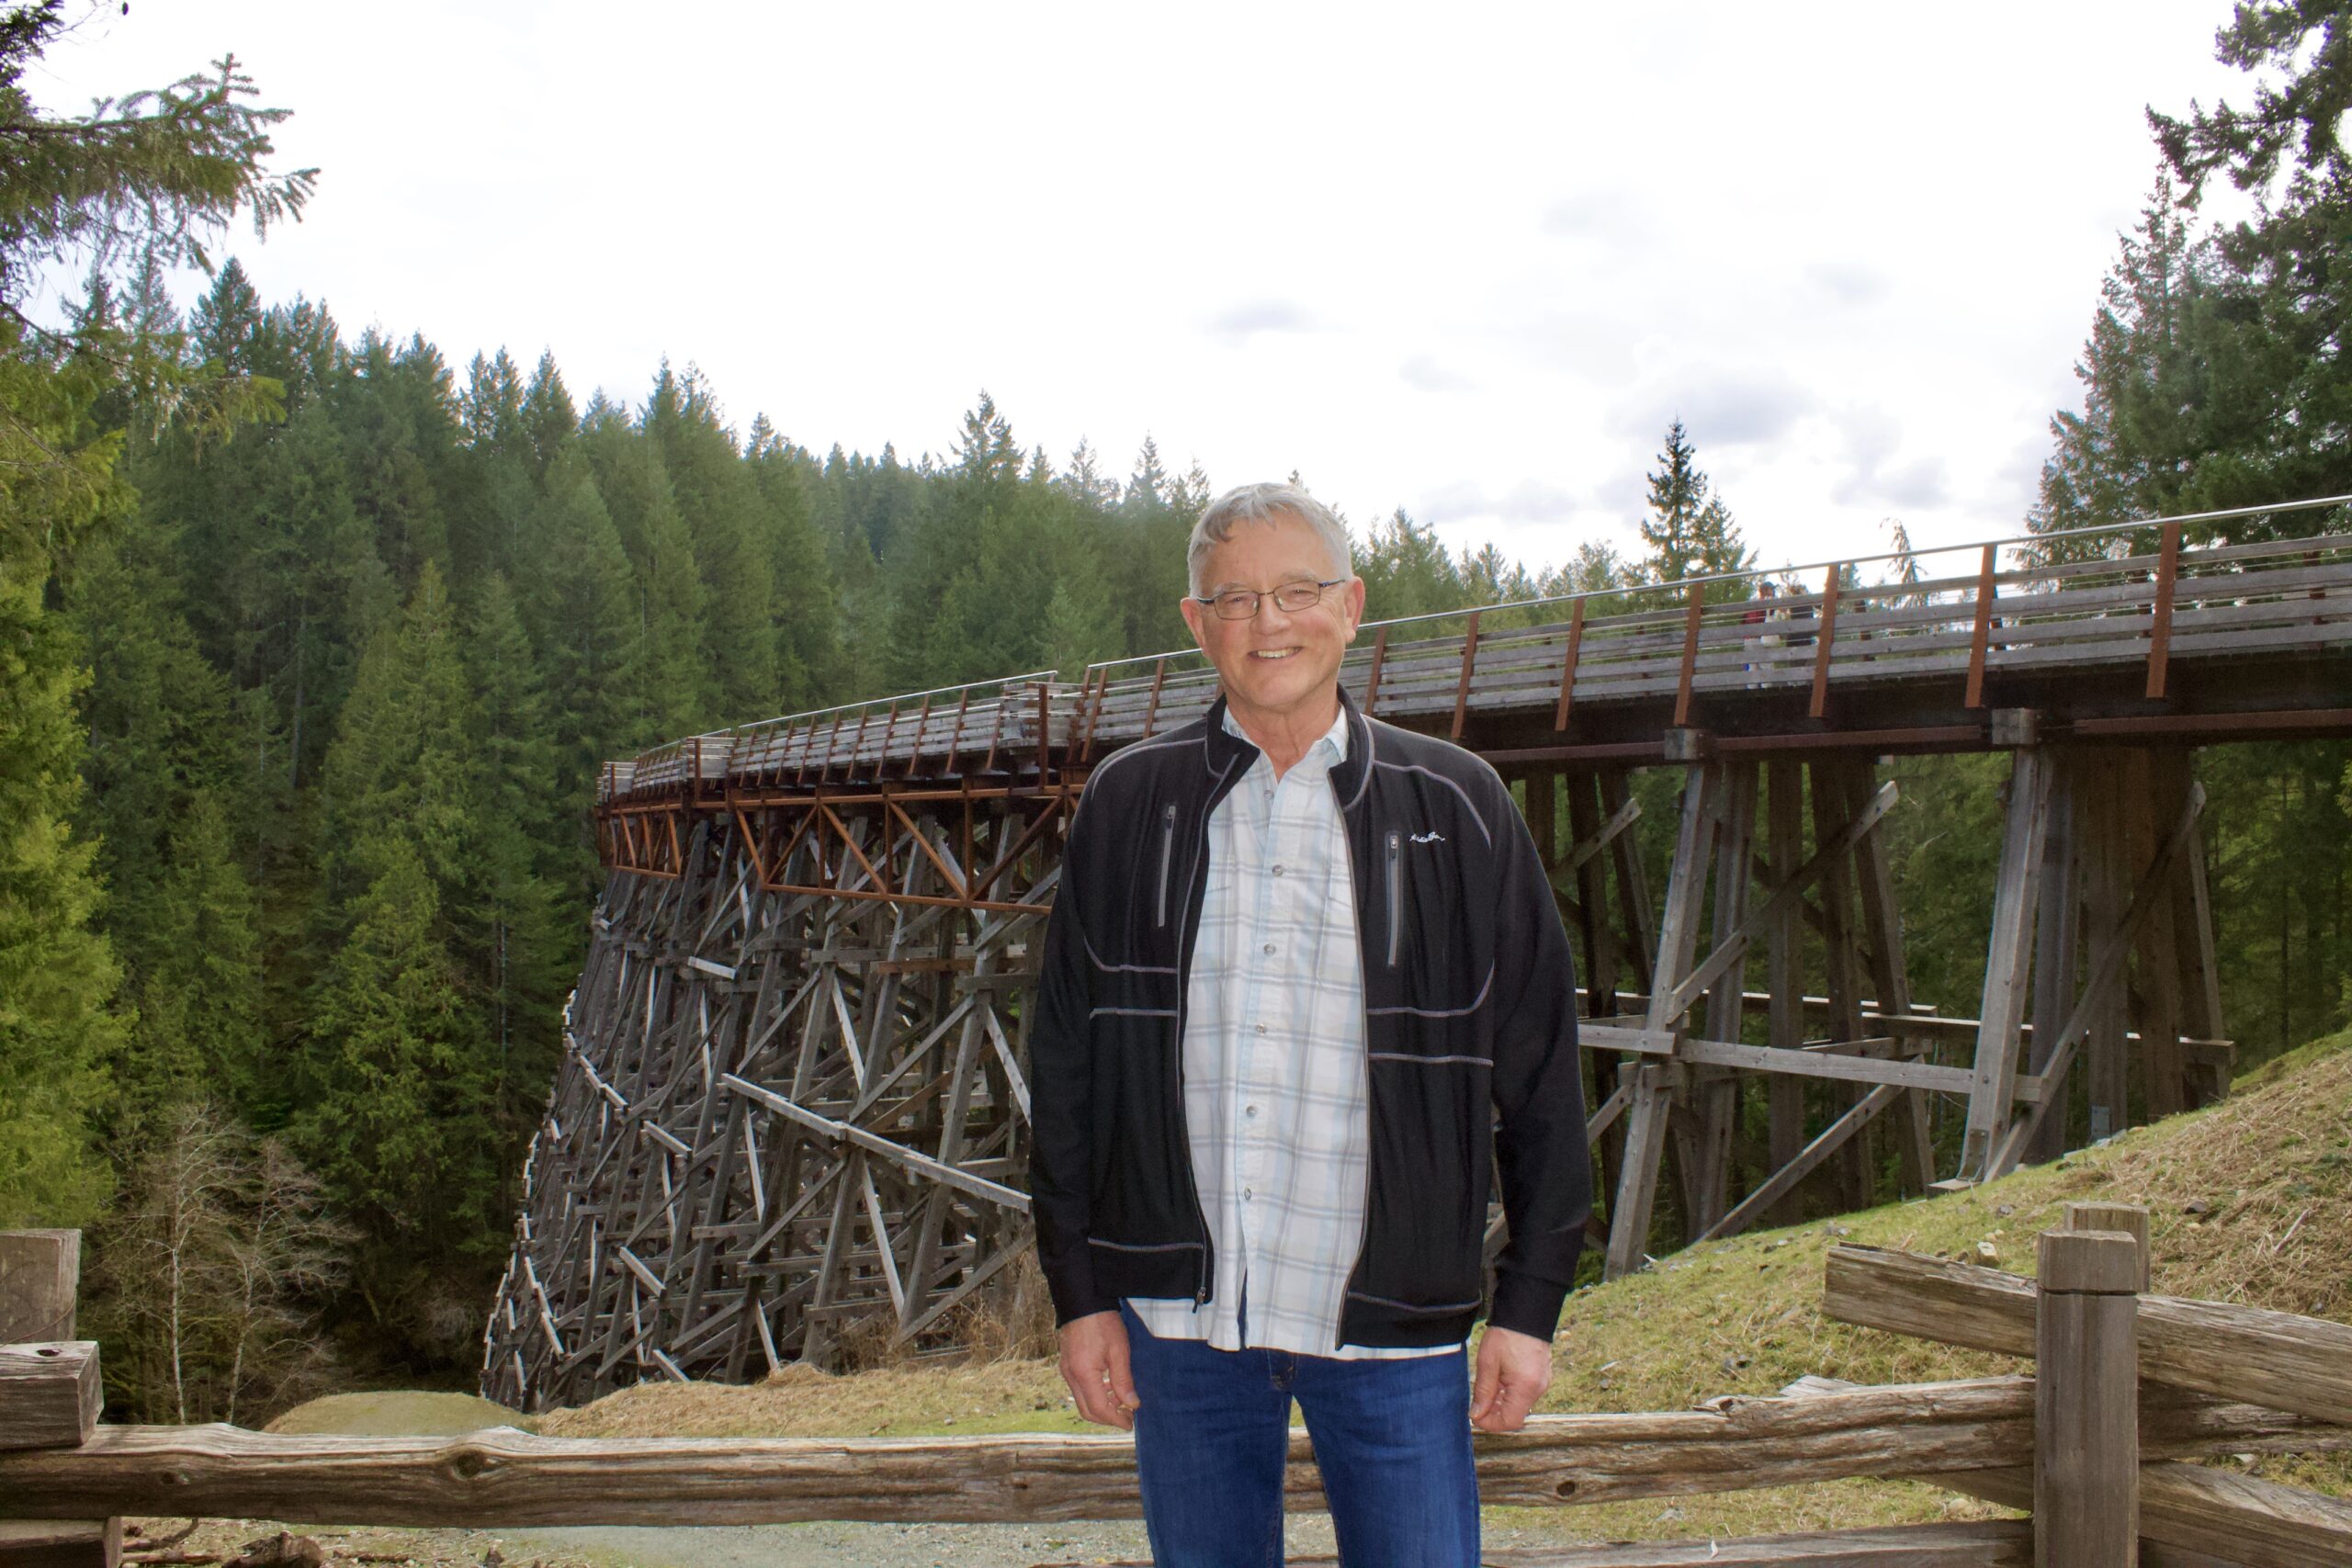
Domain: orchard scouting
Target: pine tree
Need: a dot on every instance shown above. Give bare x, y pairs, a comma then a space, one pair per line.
719, 505
1688, 531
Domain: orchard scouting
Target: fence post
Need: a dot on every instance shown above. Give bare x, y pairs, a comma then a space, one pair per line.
2087, 1402
40, 1274
2132, 1219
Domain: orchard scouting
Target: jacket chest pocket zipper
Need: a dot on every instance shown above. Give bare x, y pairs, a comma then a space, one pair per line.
1167, 853
1395, 894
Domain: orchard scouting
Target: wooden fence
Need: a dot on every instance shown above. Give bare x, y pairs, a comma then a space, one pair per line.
2102, 1445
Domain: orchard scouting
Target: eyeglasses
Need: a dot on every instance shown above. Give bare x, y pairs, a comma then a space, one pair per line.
1241, 604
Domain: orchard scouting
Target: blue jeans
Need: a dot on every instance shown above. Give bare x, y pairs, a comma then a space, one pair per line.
1391, 1437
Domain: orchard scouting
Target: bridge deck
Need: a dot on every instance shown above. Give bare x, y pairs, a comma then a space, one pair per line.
2146, 630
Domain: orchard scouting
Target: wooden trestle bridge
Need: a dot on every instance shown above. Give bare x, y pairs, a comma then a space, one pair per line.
794, 1093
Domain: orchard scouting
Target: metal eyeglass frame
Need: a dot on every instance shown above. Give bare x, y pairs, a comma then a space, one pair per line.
1258, 596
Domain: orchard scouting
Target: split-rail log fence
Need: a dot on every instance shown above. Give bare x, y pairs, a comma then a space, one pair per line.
794, 1094
2100, 1444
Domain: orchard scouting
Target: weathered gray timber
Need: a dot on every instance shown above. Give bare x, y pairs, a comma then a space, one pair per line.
49, 1393
61, 1543
794, 1098
2087, 1403
2280, 1358
507, 1477
39, 1273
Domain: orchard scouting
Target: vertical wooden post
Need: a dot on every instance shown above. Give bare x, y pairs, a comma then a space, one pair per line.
2057, 931
2128, 1219
1633, 881
1844, 969
1819, 706
1462, 687
1569, 667
1890, 973
39, 1273
2160, 619
1784, 971
1689, 655
2107, 1067
1717, 1098
1648, 1115
2157, 793
1981, 639
2087, 1402
1372, 681
2003, 1009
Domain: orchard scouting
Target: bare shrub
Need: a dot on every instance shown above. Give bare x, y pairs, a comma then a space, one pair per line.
1010, 1318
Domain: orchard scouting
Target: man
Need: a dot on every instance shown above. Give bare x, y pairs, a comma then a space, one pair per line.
1304, 978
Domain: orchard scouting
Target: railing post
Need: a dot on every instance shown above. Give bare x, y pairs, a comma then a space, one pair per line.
2160, 611
48, 1390
1980, 640
2087, 1402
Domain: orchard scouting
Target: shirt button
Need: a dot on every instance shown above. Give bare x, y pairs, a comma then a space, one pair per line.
1261, 1029
1248, 1192
1250, 1111
1269, 947
1278, 871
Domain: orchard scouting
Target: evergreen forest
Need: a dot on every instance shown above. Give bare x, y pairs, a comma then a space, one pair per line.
312, 642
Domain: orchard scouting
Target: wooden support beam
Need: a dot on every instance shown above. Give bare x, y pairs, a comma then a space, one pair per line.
49, 1393
2015, 894
1636, 1194
1785, 972
2057, 933
1784, 1181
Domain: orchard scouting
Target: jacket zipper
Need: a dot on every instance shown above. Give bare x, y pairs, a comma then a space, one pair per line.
1183, 1131
1167, 853
1395, 893
1363, 1006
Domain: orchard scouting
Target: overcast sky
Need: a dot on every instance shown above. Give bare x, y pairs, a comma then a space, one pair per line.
1465, 260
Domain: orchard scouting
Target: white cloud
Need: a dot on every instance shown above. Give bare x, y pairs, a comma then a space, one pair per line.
1510, 245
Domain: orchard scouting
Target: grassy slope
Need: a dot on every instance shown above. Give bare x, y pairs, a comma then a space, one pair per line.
2269, 1172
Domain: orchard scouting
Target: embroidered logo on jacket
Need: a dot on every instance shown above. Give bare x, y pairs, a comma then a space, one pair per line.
1428, 838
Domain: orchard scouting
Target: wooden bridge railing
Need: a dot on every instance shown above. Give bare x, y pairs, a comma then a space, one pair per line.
2132, 1389
2137, 597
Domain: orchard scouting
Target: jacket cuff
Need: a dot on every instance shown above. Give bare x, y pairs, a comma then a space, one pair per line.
1070, 1281
1526, 1304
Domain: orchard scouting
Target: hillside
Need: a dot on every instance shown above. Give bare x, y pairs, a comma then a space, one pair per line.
2251, 1201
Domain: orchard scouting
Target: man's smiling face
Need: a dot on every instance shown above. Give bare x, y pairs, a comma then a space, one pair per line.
1276, 662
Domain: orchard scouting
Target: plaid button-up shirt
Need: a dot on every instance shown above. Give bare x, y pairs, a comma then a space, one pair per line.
1275, 1099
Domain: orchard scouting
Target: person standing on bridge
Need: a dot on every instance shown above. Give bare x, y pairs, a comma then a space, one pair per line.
1304, 981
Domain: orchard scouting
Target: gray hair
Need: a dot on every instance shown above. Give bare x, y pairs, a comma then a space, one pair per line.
1264, 503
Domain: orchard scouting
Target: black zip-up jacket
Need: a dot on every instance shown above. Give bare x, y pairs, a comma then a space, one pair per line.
1470, 1036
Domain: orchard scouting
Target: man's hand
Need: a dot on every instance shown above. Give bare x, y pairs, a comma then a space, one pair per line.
1094, 1364
1514, 1369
